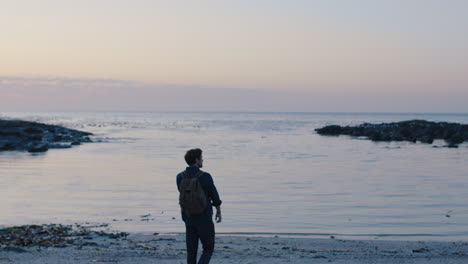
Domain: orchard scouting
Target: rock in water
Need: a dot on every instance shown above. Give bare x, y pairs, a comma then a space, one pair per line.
36, 137
412, 130
40, 147
14, 249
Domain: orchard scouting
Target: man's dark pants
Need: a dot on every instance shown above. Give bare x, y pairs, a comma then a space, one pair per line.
205, 232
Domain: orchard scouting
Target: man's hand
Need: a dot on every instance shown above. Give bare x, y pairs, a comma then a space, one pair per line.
218, 216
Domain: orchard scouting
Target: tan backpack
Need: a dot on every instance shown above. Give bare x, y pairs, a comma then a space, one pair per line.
192, 197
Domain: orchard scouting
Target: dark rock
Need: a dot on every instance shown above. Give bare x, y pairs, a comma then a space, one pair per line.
118, 235
421, 250
32, 130
412, 130
426, 139
42, 147
60, 145
89, 244
60, 246
7, 146
455, 139
375, 136
330, 130
6, 131
14, 249
36, 137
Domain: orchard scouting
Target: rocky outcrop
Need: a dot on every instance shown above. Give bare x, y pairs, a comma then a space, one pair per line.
412, 130
37, 137
51, 235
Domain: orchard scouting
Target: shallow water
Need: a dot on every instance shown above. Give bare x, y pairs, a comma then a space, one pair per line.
273, 172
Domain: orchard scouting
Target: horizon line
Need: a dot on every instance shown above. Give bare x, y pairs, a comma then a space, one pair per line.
234, 111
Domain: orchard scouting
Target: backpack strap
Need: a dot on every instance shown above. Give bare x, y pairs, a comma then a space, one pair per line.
186, 175
200, 173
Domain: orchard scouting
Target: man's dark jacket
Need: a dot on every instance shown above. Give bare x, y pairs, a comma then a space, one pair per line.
208, 186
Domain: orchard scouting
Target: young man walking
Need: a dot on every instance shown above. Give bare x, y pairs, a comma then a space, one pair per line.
196, 208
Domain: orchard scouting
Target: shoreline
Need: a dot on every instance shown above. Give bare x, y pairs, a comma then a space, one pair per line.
85, 245
406, 238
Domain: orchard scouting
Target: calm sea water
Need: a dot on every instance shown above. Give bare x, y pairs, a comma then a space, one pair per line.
273, 172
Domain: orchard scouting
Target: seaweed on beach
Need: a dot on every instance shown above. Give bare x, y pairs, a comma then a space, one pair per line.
49, 235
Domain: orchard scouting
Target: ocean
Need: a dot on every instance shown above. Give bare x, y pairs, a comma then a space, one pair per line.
274, 173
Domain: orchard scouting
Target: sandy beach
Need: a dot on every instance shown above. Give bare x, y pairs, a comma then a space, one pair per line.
101, 247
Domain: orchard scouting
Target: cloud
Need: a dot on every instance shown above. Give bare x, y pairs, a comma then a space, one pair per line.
14, 95
76, 94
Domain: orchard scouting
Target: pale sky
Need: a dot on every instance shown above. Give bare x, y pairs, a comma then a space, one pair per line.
268, 55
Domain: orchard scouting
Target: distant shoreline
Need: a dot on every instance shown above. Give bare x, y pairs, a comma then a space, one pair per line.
238, 112
410, 130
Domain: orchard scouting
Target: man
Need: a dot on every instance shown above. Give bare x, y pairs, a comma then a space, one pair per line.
200, 226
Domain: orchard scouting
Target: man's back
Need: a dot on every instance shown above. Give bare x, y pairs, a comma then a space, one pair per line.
210, 190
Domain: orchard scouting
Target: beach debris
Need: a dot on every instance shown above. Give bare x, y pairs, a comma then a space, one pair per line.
112, 235
50, 235
96, 225
146, 217
143, 246
421, 250
388, 251
348, 250
90, 244
13, 249
448, 214
4, 258
167, 239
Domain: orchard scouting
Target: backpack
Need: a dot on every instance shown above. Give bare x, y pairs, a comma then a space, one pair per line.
192, 197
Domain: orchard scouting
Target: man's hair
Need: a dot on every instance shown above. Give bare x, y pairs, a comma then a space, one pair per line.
192, 155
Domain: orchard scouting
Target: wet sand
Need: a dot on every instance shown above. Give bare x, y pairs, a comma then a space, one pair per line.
156, 248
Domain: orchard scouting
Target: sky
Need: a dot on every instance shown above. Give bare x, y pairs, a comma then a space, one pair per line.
242, 55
